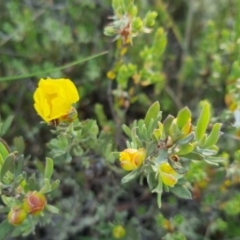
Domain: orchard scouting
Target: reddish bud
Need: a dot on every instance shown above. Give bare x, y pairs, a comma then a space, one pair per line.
17, 215
34, 202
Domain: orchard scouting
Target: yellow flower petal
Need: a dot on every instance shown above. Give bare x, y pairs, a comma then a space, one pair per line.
128, 166
166, 168
139, 156
168, 179
167, 174
61, 107
70, 90
124, 156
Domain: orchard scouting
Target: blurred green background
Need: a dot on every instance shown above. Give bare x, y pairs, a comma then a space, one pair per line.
200, 62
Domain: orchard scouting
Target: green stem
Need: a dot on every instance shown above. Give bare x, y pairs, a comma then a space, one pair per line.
171, 23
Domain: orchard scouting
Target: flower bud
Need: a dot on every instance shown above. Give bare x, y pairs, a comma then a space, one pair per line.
137, 24
34, 203
132, 10
17, 215
70, 117
109, 31
168, 142
167, 174
150, 19
132, 158
111, 75
118, 232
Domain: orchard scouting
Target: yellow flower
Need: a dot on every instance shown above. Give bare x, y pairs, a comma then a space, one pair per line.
54, 98
167, 174
132, 158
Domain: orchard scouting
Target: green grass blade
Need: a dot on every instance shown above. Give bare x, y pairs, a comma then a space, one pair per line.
77, 62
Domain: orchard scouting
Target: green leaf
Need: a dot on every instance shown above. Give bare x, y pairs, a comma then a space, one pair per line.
160, 38
162, 156
55, 184
4, 209
4, 150
129, 177
6, 125
214, 160
137, 142
213, 136
126, 130
1, 161
177, 166
186, 148
7, 165
9, 201
181, 191
115, 154
194, 156
46, 187
159, 189
159, 200
174, 131
19, 144
150, 127
154, 123
5, 229
151, 180
52, 209
20, 163
183, 117
167, 123
203, 121
152, 113
203, 139
31, 183
207, 151
48, 168
40, 166
158, 132
144, 132
186, 139
156, 135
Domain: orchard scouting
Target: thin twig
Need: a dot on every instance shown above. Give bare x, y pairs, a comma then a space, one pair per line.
171, 23
173, 96
189, 22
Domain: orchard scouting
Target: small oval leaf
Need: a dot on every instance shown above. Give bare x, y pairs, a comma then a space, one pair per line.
131, 176
213, 136
52, 209
4, 150
203, 121
5, 229
55, 184
7, 165
6, 125
48, 168
152, 113
181, 192
183, 117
